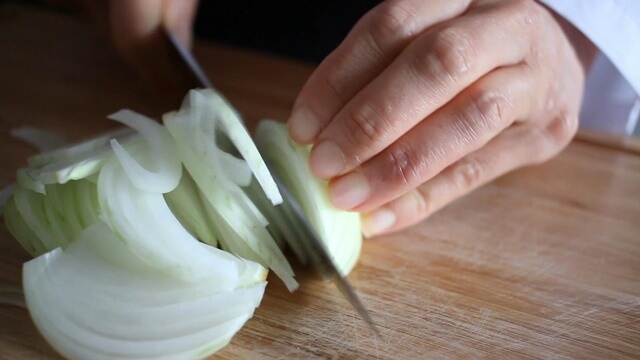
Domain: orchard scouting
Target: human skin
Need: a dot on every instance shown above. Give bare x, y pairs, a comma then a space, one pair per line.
423, 102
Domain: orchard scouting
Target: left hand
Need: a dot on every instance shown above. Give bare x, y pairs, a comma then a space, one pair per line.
426, 100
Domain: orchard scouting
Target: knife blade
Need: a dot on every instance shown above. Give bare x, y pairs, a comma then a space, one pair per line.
308, 238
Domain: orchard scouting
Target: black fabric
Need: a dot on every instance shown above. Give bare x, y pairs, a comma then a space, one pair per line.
304, 30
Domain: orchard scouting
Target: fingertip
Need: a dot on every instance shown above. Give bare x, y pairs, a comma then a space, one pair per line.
303, 126
349, 191
178, 18
378, 222
326, 160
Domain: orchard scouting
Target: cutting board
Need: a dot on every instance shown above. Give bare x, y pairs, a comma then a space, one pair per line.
542, 263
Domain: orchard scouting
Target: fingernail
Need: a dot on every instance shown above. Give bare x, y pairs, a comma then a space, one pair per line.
326, 160
349, 191
378, 222
303, 126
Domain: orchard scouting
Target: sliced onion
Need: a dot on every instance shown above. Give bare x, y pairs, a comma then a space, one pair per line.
42, 223
74, 162
96, 300
19, 228
185, 203
240, 226
25, 178
125, 227
82, 149
41, 139
165, 164
144, 220
30, 206
234, 128
340, 230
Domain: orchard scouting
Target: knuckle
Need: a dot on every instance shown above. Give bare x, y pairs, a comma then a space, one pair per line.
365, 126
548, 141
334, 82
393, 19
447, 54
486, 111
404, 167
423, 201
468, 173
561, 129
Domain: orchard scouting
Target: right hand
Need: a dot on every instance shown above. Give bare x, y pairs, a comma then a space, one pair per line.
135, 28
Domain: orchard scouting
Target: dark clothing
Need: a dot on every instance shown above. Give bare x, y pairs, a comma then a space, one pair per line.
300, 29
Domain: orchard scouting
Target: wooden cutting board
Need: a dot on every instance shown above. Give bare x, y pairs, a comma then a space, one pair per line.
543, 263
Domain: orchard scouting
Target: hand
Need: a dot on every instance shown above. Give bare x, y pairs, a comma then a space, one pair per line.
426, 100
135, 28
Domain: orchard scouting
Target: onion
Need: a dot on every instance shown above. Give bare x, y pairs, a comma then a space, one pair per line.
164, 161
154, 242
97, 300
241, 227
43, 140
340, 230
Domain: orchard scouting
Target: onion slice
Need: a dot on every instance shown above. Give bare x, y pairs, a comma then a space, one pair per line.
198, 131
96, 300
41, 139
340, 230
234, 128
165, 164
144, 220
74, 162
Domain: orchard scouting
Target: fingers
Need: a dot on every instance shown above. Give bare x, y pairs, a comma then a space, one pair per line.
516, 147
426, 75
135, 25
464, 125
369, 48
137, 33
178, 18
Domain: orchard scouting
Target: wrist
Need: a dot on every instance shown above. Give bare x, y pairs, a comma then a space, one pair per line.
585, 50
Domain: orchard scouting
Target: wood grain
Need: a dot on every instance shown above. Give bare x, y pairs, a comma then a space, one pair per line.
542, 263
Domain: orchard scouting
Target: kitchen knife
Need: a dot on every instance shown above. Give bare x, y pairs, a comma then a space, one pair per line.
308, 238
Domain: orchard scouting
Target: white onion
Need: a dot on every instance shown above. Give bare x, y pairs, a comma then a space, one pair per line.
96, 300
126, 229
240, 226
41, 139
340, 230
165, 164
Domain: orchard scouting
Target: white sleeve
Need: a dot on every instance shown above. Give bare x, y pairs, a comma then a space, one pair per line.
612, 94
611, 25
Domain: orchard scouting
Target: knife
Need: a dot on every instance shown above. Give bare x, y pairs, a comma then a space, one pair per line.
308, 238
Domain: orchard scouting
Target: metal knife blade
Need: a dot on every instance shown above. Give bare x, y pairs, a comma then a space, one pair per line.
309, 238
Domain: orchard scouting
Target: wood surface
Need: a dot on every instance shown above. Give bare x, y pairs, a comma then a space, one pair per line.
542, 263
